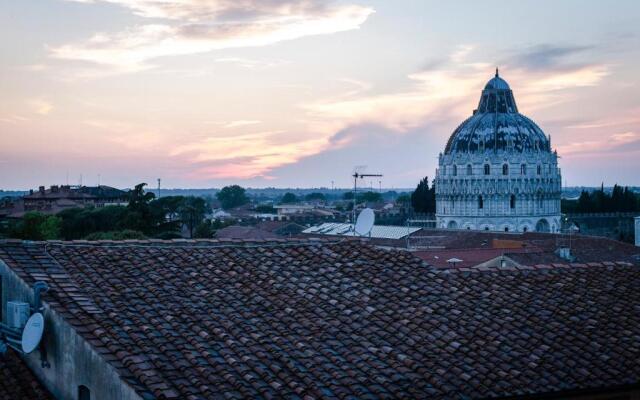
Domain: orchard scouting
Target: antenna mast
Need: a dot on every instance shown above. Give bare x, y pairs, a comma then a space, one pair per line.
355, 176
158, 187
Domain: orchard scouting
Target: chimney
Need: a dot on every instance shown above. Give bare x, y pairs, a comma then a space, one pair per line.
637, 230
30, 191
54, 188
41, 189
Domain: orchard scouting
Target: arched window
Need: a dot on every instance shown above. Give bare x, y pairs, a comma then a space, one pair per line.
512, 201
505, 169
469, 170
523, 169
84, 393
487, 169
539, 169
480, 202
524, 229
455, 170
506, 229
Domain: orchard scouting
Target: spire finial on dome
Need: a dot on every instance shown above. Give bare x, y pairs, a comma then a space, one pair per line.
497, 72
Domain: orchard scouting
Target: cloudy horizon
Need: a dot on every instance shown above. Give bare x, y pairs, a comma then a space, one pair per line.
284, 93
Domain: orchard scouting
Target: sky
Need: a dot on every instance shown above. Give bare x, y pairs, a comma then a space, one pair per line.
284, 93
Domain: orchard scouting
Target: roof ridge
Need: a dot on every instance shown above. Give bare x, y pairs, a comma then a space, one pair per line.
539, 267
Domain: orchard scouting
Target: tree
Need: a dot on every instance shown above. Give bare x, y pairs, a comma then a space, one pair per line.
315, 196
232, 196
423, 199
140, 216
369, 197
37, 226
289, 198
192, 212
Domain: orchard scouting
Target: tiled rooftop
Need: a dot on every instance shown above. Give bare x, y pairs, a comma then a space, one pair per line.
327, 319
17, 382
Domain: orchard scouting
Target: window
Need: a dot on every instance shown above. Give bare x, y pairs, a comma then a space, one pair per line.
480, 202
539, 169
84, 393
469, 170
444, 170
506, 229
512, 201
523, 169
487, 169
455, 170
505, 169
524, 229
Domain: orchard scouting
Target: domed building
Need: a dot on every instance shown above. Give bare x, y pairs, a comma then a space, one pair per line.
498, 171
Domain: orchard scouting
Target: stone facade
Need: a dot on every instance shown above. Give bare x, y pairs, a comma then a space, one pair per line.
498, 172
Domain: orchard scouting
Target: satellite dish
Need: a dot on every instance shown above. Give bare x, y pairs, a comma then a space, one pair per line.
32, 333
365, 221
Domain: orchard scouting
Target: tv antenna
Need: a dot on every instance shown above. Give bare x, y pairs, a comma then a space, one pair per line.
358, 174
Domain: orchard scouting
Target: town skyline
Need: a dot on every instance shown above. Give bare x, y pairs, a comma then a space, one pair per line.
295, 94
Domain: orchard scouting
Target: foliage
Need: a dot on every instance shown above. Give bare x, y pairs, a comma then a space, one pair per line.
620, 200
423, 199
315, 196
289, 198
37, 226
232, 196
368, 197
126, 234
192, 211
403, 199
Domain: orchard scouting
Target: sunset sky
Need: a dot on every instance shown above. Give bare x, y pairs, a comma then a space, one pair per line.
296, 93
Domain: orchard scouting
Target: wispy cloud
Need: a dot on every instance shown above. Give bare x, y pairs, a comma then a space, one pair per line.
192, 26
235, 124
40, 106
243, 156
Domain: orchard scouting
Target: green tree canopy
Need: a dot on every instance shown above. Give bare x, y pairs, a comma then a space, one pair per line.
192, 211
289, 198
315, 196
423, 199
232, 196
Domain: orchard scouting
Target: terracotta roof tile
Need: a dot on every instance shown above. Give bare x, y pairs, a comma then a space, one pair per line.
17, 382
323, 319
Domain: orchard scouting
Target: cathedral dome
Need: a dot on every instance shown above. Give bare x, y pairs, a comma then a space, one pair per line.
497, 125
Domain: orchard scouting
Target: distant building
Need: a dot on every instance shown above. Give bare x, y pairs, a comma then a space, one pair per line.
58, 198
498, 171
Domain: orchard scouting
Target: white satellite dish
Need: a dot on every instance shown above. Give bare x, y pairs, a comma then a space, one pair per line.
32, 333
365, 221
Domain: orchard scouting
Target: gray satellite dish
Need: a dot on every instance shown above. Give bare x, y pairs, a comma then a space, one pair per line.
365, 221
32, 333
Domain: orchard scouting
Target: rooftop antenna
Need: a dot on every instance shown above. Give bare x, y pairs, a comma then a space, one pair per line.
357, 174
158, 187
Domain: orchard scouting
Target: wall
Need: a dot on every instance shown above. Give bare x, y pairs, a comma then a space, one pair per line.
617, 226
73, 361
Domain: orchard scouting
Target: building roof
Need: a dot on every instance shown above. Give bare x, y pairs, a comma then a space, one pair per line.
378, 231
244, 232
327, 319
497, 125
17, 381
